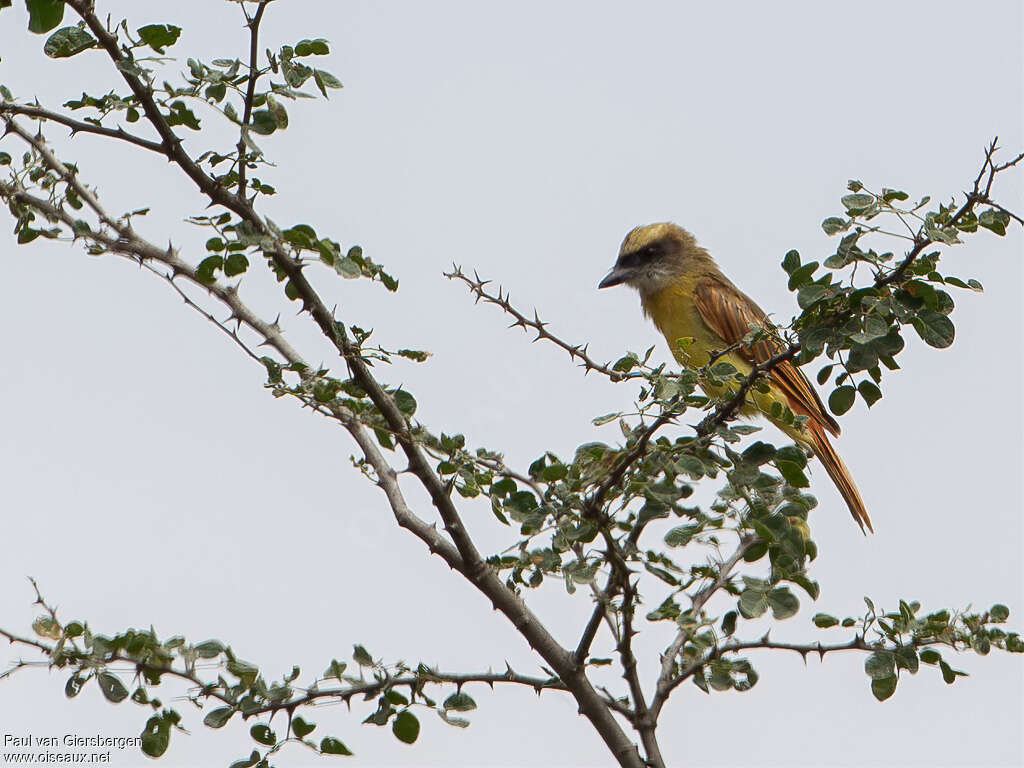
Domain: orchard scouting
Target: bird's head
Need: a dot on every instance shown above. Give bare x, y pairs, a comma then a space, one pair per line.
653, 255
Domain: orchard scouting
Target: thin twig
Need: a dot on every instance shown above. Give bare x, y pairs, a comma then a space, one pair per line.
250, 91
501, 299
664, 686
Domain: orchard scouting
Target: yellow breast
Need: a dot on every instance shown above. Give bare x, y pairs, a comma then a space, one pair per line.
677, 317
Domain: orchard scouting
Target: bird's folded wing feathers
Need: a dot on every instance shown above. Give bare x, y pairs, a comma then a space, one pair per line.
729, 313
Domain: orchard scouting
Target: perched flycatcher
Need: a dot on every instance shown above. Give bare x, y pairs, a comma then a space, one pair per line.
686, 295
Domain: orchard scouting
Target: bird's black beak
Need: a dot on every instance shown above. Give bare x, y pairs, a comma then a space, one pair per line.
617, 276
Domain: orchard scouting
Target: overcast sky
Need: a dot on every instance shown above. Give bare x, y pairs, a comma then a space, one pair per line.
147, 477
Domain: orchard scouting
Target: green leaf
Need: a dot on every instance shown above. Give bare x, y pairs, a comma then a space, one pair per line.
279, 112
302, 728
5, 158
302, 236
235, 264
332, 746
459, 702
883, 688
783, 603
156, 735
347, 268
406, 402
336, 669
396, 698
930, 656
802, 275
759, 453
871, 393
180, 114
841, 399
857, 204
406, 727
67, 41
809, 293
752, 603
756, 551
113, 689
362, 656
894, 194
219, 717
934, 328
906, 658
264, 122
948, 673
879, 665
998, 613
159, 36
73, 686
791, 262
824, 621
995, 221
793, 473
44, 15
249, 762
458, 722
74, 629
207, 269
316, 47
211, 649
262, 734
793, 455
832, 225
729, 623
325, 80
681, 535
45, 626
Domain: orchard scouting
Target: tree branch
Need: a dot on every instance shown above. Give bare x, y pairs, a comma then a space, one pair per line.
311, 695
665, 684
645, 725
576, 351
77, 126
250, 91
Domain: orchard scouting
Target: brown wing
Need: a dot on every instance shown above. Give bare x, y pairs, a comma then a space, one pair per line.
729, 313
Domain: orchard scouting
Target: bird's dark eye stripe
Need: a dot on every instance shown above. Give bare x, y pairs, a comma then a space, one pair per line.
642, 256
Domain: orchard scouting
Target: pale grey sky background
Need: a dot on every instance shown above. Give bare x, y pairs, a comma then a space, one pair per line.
148, 477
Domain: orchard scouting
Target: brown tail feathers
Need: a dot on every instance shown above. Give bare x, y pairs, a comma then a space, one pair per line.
840, 475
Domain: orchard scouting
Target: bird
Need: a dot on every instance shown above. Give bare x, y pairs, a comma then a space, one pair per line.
686, 295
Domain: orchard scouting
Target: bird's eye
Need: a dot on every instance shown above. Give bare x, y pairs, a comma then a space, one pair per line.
650, 251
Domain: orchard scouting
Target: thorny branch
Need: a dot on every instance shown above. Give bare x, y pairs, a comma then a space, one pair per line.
77, 126
313, 694
664, 685
535, 324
